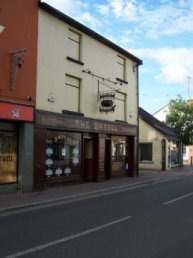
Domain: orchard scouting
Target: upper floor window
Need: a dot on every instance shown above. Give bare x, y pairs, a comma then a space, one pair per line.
72, 93
121, 70
120, 67
74, 45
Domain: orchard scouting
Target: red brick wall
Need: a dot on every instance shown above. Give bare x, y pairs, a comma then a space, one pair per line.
20, 19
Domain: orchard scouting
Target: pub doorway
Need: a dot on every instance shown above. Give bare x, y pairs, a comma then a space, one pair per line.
90, 159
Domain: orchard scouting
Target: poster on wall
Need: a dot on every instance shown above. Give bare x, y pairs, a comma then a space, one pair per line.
8, 167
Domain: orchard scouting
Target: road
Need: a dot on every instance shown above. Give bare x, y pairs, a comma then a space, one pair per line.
153, 221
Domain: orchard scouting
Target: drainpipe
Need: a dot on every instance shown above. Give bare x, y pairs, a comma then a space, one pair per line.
137, 142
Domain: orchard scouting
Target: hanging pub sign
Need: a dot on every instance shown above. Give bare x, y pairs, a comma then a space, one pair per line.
107, 101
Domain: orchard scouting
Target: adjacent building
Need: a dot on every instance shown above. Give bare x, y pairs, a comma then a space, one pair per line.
18, 66
160, 147
162, 113
187, 150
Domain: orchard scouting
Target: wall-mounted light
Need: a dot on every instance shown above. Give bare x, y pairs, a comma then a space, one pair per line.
87, 71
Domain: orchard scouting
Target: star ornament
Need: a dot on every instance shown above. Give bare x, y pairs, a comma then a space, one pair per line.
16, 113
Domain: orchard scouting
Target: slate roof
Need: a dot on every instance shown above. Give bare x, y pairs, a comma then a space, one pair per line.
87, 31
154, 122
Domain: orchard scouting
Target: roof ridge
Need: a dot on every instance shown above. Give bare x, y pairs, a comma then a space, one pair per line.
157, 124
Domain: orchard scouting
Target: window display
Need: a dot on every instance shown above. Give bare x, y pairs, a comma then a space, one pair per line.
118, 148
62, 154
8, 157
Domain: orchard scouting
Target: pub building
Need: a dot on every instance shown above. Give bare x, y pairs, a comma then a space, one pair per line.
86, 117
72, 148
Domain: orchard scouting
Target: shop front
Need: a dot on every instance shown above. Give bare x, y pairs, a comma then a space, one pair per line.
62, 154
71, 148
8, 153
16, 147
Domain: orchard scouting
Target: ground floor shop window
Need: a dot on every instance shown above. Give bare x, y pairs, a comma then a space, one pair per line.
8, 157
118, 148
62, 154
145, 152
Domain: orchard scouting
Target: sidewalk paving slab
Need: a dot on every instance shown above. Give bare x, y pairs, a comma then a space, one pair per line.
15, 201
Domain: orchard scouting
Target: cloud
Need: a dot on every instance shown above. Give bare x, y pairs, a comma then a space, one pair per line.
172, 73
102, 9
121, 9
69, 7
169, 18
87, 18
170, 65
77, 9
125, 39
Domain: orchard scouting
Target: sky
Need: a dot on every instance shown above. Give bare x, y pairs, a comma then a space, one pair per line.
159, 32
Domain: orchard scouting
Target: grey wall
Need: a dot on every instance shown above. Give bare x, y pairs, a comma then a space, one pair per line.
26, 156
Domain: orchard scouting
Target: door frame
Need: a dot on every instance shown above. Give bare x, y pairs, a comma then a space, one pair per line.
89, 164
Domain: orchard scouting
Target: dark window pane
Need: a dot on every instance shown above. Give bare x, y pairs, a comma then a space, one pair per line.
145, 151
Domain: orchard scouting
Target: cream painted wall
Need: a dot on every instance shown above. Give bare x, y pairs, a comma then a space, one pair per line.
149, 134
53, 45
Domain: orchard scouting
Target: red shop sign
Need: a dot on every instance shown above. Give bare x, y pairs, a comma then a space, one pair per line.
16, 112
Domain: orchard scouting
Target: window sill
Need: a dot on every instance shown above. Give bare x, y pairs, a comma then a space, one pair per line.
121, 80
121, 122
119, 160
72, 113
146, 162
74, 60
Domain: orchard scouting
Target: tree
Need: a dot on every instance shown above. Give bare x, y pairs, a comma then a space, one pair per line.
180, 118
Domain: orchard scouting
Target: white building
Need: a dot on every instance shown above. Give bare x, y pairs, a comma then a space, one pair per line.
161, 113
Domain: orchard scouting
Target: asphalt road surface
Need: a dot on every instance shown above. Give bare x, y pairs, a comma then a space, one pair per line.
154, 221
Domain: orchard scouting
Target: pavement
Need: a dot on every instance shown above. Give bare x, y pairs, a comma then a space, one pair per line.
17, 201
